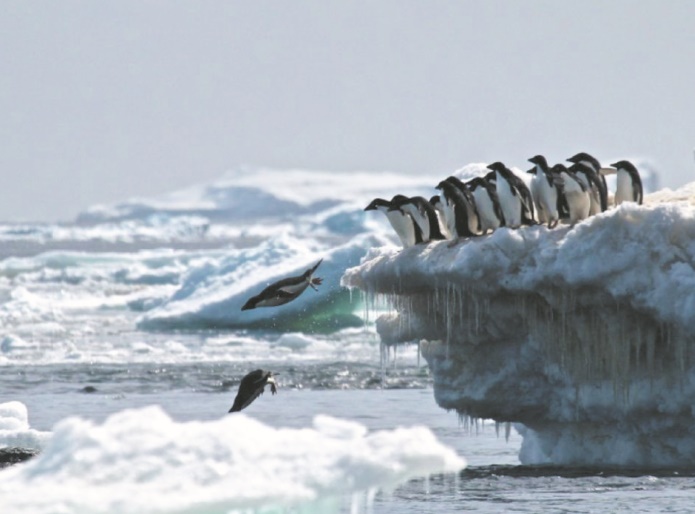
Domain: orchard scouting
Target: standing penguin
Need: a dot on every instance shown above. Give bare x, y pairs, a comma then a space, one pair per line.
402, 223
469, 203
546, 189
576, 194
515, 198
424, 216
629, 183
441, 207
457, 209
594, 185
487, 203
599, 196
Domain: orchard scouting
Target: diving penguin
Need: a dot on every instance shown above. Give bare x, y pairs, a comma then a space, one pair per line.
285, 290
251, 387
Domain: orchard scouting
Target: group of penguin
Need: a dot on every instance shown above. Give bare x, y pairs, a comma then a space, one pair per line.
502, 199
467, 209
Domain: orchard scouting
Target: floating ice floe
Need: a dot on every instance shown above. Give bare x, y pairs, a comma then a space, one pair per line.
143, 461
582, 336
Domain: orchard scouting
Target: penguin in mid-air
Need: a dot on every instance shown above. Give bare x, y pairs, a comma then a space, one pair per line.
404, 226
251, 387
599, 189
423, 214
629, 184
546, 188
576, 194
514, 196
285, 290
487, 203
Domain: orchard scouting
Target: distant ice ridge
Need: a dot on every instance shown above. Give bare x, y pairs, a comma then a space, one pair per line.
583, 337
15, 431
143, 461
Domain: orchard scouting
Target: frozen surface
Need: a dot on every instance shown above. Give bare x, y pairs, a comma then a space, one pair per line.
581, 336
15, 431
141, 460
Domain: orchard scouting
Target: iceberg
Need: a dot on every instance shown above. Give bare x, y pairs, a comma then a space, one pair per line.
582, 337
140, 460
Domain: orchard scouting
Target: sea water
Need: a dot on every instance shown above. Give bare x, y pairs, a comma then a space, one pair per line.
73, 342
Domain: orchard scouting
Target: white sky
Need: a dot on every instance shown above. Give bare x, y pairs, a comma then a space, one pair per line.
102, 101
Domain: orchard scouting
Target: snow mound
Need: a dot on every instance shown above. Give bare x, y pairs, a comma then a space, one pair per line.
143, 461
15, 431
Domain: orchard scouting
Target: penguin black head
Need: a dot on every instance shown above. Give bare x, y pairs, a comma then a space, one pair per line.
626, 166
490, 177
583, 156
559, 168
496, 166
539, 160
398, 201
376, 203
435, 200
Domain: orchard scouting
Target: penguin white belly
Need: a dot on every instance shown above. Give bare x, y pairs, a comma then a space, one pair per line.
578, 200
473, 220
445, 214
594, 197
510, 203
420, 219
403, 226
541, 215
547, 198
486, 210
623, 189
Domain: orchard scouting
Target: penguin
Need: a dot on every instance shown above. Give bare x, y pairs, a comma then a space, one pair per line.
487, 203
251, 387
457, 209
469, 202
629, 184
441, 208
515, 197
423, 215
545, 189
576, 194
599, 197
401, 222
285, 290
594, 185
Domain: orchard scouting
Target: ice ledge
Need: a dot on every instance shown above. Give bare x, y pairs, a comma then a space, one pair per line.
582, 335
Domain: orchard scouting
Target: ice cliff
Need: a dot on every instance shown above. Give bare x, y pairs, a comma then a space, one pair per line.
583, 337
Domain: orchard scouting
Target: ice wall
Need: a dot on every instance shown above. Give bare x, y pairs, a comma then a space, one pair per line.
583, 337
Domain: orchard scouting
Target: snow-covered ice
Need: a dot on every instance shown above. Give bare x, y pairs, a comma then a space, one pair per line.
582, 336
15, 431
141, 460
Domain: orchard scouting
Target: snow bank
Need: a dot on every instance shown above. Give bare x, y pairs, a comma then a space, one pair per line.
582, 335
15, 431
143, 461
213, 292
